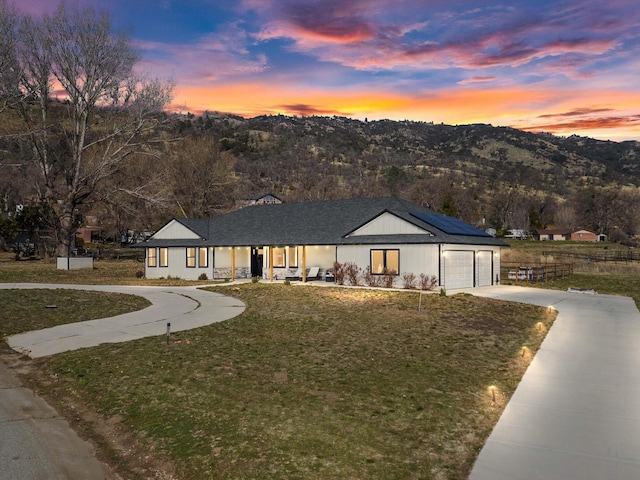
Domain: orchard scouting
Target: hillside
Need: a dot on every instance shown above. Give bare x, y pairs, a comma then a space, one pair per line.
504, 153
489, 176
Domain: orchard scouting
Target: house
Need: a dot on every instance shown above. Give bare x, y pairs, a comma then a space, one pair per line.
584, 236
274, 241
567, 234
267, 199
554, 234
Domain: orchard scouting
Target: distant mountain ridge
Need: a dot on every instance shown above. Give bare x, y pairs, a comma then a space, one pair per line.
518, 156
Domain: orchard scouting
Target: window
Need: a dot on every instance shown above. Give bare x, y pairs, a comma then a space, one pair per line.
203, 258
191, 257
164, 256
279, 257
152, 259
381, 259
293, 256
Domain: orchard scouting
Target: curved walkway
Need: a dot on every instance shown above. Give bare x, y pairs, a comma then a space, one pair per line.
576, 412
184, 307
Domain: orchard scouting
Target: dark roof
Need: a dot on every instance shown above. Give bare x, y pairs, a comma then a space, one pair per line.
315, 223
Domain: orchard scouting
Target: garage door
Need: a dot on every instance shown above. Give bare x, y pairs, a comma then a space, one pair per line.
458, 269
484, 268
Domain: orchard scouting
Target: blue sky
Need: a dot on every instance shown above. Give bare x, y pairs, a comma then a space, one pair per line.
565, 67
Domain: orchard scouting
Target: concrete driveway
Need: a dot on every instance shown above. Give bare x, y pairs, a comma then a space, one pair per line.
184, 307
36, 442
576, 412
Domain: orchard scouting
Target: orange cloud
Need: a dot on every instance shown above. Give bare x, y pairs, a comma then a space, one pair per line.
517, 107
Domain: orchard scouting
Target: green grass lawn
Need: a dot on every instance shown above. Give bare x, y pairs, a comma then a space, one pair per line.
616, 278
314, 382
33, 309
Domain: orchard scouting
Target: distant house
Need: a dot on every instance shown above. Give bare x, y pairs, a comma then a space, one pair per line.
584, 236
285, 240
267, 199
554, 234
567, 234
89, 233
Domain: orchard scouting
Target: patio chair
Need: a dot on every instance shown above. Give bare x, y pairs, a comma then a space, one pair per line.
296, 276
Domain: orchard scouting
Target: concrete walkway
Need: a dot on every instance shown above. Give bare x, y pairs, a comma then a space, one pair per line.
576, 412
184, 307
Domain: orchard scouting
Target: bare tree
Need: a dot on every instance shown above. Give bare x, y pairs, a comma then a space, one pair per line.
105, 112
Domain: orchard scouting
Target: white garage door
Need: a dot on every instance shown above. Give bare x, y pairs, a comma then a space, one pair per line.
458, 269
483, 268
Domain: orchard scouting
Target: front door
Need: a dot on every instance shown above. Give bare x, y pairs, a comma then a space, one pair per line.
256, 261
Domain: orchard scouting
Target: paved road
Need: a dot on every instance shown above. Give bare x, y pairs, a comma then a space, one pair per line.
36, 443
184, 307
576, 412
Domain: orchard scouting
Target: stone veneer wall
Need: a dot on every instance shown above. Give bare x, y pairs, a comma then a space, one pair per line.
242, 272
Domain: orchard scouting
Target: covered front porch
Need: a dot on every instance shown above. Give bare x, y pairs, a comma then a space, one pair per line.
272, 262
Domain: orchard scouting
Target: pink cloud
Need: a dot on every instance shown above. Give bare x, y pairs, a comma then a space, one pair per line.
596, 123
472, 80
577, 113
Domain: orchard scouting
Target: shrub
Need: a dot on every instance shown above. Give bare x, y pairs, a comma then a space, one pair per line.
443, 292
370, 279
139, 274
255, 279
409, 280
287, 281
203, 276
388, 277
428, 282
352, 273
338, 273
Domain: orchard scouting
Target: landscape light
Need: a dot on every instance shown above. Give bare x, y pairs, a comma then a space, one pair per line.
493, 392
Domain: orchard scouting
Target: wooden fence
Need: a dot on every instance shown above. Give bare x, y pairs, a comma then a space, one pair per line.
534, 273
604, 256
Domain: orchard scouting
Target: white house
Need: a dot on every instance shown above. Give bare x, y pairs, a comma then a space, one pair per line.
274, 241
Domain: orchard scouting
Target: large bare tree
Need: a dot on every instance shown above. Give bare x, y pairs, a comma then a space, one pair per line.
83, 107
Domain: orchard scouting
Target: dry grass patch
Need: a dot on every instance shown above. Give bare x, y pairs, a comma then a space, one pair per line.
314, 382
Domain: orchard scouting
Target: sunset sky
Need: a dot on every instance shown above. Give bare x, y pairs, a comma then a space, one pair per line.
563, 66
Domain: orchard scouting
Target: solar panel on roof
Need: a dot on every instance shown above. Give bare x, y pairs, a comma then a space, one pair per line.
450, 225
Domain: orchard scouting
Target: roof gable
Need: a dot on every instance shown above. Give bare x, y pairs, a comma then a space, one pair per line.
178, 229
388, 224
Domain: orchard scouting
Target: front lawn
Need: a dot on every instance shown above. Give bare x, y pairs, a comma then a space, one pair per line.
314, 383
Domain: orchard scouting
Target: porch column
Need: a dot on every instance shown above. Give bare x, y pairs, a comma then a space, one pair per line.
271, 264
233, 263
304, 263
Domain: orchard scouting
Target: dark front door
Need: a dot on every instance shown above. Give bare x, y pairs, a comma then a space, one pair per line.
256, 262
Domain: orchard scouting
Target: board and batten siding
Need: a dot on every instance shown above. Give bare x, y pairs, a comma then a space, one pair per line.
177, 265
174, 230
388, 224
414, 259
